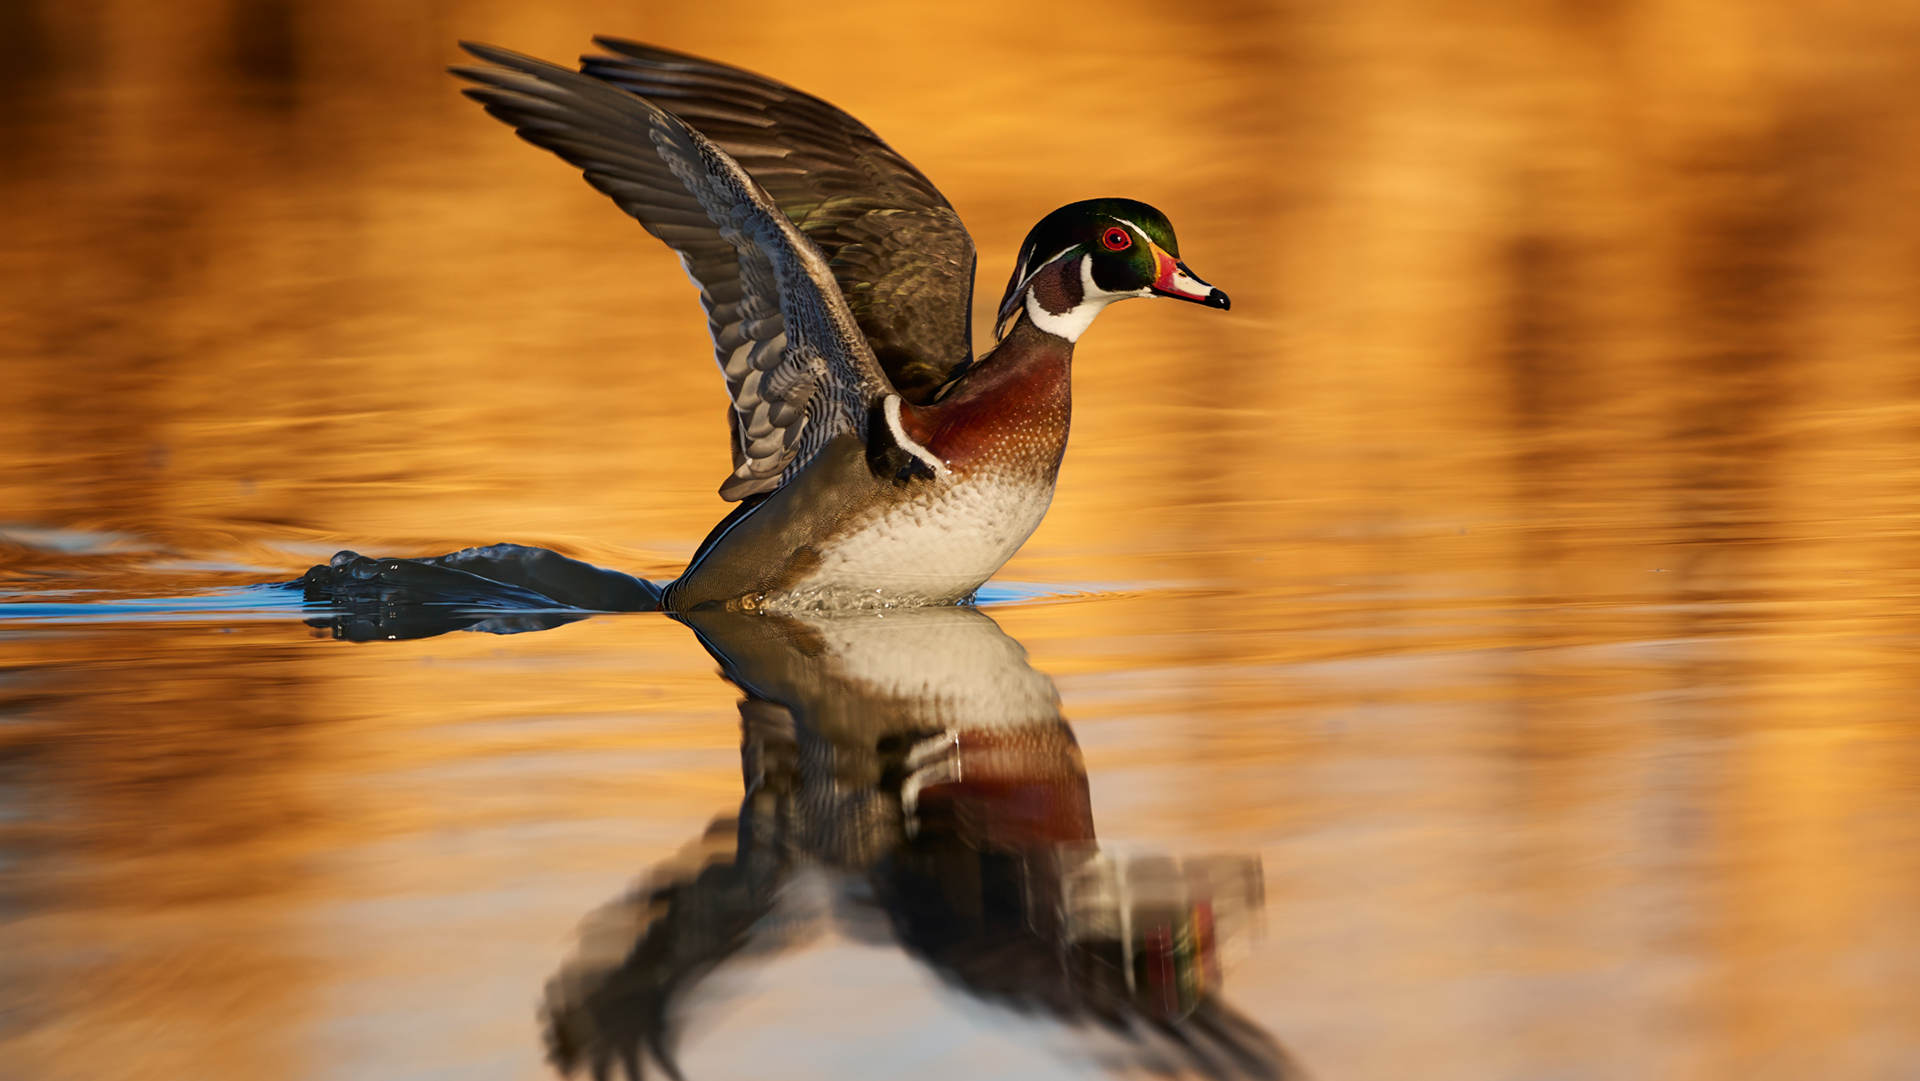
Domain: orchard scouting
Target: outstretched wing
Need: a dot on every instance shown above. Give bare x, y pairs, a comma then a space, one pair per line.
902, 259
797, 366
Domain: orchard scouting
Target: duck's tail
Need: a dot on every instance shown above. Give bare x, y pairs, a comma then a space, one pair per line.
504, 588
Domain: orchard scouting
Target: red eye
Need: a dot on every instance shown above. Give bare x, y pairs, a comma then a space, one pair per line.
1116, 239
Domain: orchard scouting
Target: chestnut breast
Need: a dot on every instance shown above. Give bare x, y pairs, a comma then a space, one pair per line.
1009, 415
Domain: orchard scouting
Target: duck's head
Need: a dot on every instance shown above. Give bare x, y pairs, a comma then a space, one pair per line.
1086, 255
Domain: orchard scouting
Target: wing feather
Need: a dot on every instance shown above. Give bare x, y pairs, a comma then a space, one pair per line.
797, 366
903, 260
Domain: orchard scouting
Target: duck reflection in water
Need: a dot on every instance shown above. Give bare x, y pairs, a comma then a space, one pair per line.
914, 769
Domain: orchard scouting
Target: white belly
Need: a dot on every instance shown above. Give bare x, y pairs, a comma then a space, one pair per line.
934, 549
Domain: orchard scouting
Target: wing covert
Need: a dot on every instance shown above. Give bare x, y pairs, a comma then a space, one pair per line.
900, 254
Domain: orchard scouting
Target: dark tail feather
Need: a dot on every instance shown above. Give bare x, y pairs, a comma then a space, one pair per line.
502, 588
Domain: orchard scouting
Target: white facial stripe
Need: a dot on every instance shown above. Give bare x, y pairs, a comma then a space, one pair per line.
999, 326
1038, 267
1141, 233
891, 407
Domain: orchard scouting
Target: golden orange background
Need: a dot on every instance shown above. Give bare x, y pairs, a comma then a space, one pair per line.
1525, 566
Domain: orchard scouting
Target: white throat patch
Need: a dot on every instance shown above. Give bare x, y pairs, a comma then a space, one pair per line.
1074, 322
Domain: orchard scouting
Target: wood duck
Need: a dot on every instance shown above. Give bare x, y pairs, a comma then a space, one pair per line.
876, 462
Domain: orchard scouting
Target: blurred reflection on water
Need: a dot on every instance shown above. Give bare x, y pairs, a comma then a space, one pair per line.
1524, 568
909, 778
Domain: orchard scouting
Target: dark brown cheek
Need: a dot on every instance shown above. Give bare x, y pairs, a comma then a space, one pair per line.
1058, 289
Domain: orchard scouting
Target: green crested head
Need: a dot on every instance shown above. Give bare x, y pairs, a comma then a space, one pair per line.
1085, 255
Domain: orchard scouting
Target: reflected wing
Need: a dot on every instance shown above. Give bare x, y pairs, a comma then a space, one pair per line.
614, 1000
798, 368
897, 249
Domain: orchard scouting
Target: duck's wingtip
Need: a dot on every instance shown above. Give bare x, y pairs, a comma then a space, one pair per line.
640, 50
494, 54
